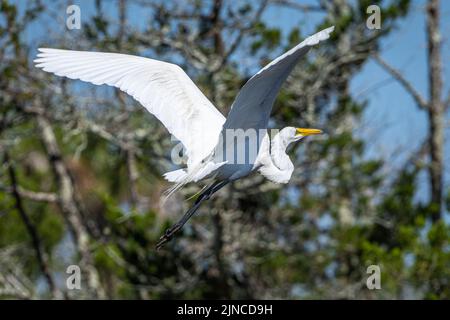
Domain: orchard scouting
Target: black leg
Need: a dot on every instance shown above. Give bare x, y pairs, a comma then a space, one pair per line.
205, 195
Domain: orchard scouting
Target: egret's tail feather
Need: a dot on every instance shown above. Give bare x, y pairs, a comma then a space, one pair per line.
182, 180
181, 177
175, 176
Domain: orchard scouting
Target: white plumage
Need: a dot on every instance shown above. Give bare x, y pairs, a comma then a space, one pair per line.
166, 91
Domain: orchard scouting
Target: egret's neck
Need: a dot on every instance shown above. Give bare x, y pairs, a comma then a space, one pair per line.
274, 163
280, 159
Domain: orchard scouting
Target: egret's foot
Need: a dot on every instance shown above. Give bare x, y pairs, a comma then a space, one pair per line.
168, 235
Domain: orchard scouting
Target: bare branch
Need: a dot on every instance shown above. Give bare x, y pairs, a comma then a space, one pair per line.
297, 6
32, 195
37, 195
240, 36
402, 80
36, 241
68, 203
14, 283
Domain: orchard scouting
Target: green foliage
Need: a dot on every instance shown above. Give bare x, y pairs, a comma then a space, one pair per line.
267, 38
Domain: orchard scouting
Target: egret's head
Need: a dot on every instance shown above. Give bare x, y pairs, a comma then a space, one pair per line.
291, 134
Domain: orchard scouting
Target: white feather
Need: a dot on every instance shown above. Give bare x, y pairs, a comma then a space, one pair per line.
164, 89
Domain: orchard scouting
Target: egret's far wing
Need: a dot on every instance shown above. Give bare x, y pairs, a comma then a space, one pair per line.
252, 106
164, 89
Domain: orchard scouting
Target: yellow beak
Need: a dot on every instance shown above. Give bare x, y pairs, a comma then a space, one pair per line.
307, 132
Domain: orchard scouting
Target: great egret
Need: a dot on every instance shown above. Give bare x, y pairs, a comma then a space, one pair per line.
166, 91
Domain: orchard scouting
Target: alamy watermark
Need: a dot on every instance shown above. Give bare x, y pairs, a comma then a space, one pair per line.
73, 281
236, 146
374, 20
373, 281
73, 20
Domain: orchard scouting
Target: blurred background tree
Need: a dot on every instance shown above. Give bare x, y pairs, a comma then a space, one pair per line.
80, 177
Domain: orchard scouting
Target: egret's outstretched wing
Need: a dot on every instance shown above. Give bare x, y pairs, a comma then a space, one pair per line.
252, 106
164, 89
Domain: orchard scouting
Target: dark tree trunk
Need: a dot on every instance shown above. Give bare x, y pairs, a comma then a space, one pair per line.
435, 108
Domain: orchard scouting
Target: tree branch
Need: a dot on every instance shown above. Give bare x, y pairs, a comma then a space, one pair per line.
298, 6
36, 241
37, 195
32, 195
240, 36
421, 102
68, 203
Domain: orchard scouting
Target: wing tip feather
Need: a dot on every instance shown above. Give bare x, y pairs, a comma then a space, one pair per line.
319, 36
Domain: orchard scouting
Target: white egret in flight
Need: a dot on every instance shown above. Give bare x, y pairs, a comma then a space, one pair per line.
166, 91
